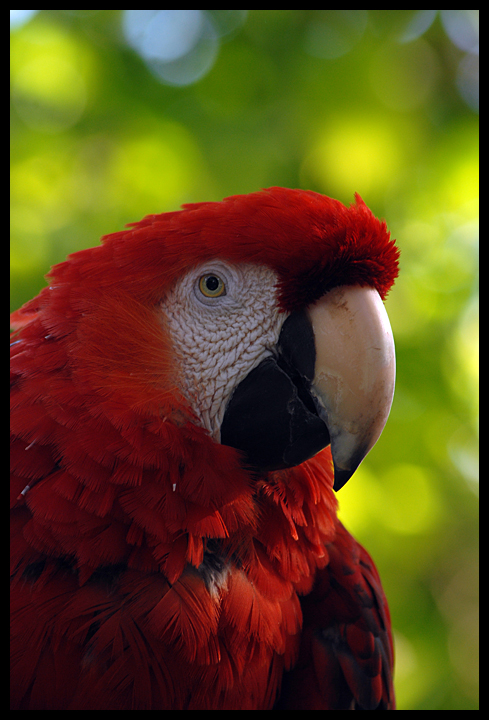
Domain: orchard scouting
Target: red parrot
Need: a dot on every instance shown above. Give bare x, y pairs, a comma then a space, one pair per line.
186, 398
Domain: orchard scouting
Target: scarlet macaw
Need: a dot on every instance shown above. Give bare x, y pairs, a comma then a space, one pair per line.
180, 395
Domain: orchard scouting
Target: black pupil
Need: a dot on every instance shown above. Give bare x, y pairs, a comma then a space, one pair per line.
212, 283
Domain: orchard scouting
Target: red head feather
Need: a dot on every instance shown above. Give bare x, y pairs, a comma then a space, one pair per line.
313, 242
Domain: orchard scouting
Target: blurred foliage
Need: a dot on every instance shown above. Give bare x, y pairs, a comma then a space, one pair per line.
115, 115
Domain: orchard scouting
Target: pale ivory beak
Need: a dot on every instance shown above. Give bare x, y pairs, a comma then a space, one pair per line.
355, 372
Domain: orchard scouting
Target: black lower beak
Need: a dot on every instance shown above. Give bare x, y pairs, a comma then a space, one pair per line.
271, 415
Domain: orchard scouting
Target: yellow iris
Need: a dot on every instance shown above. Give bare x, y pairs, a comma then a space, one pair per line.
212, 286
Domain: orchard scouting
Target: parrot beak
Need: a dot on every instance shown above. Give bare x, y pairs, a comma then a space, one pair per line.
330, 381
355, 372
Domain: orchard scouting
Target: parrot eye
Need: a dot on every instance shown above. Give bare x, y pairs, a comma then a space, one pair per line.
212, 286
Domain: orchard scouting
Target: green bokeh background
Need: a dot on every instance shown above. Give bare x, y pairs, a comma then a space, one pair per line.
375, 102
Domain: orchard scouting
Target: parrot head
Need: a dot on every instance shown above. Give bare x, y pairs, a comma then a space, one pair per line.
258, 319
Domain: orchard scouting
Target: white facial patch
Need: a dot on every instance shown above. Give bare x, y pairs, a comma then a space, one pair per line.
223, 320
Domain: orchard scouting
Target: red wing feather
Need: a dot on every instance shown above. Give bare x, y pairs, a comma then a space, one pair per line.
346, 655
